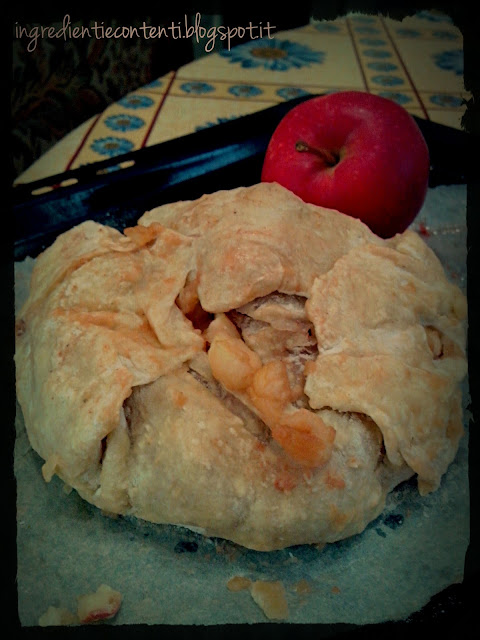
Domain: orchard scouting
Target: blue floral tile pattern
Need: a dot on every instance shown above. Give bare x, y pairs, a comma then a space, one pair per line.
446, 35
111, 146
326, 27
433, 17
400, 98
155, 84
408, 33
446, 100
450, 61
209, 124
387, 81
382, 66
289, 93
197, 87
124, 122
245, 91
136, 101
273, 54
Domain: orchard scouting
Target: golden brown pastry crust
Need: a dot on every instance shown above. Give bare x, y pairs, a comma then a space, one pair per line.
247, 364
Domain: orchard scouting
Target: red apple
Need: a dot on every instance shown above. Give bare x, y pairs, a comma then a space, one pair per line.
356, 152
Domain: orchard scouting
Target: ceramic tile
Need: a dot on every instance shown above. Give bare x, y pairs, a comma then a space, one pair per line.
370, 51
336, 27
424, 24
179, 117
445, 107
221, 90
444, 100
366, 42
54, 159
398, 30
383, 75
122, 127
432, 65
243, 91
363, 19
450, 118
404, 97
297, 56
365, 27
160, 85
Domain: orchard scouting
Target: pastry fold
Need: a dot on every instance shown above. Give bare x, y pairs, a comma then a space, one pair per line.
245, 364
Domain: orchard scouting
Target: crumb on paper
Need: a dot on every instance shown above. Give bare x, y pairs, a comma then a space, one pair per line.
335, 589
101, 605
238, 583
302, 586
57, 617
270, 597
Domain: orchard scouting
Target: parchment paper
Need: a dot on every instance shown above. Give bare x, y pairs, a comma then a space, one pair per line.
173, 576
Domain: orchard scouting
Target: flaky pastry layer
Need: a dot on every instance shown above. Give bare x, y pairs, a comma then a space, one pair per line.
245, 364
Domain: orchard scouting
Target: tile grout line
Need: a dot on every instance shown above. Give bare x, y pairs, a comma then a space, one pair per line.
222, 82
400, 59
266, 99
357, 55
88, 133
76, 153
156, 114
262, 83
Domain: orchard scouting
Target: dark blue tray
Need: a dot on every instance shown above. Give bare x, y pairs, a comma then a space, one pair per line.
221, 157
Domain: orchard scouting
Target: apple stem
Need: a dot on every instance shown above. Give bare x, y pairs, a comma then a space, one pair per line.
328, 157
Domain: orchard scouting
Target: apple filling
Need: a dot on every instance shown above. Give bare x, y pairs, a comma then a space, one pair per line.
255, 359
